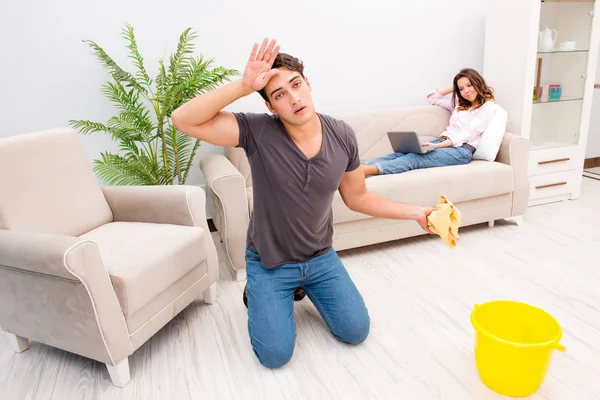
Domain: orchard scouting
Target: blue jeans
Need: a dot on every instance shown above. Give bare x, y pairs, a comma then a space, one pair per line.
270, 293
396, 163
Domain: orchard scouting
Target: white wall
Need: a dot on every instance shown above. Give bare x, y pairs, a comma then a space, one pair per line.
593, 142
358, 55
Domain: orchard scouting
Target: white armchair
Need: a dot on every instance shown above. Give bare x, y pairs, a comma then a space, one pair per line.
90, 270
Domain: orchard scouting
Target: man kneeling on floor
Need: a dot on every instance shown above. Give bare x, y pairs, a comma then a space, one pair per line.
298, 159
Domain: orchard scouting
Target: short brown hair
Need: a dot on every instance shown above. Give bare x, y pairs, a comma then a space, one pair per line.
484, 92
288, 62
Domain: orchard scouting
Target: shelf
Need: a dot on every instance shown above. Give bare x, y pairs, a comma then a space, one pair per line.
562, 100
558, 51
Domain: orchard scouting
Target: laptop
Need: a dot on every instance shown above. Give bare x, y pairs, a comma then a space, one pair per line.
407, 142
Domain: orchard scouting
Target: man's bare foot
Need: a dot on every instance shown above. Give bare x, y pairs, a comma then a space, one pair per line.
369, 170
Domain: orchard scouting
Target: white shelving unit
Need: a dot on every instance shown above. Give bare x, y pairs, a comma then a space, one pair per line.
557, 128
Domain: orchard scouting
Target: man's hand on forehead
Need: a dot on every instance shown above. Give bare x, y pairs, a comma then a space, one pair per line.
259, 67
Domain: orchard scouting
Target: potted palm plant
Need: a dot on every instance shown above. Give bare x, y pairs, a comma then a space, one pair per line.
151, 150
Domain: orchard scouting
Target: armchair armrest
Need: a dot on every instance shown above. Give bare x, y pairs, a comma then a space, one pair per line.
75, 262
177, 205
227, 188
40, 253
514, 151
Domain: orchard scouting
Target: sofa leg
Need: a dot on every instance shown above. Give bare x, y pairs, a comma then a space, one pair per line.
210, 294
19, 344
119, 374
240, 275
491, 223
518, 220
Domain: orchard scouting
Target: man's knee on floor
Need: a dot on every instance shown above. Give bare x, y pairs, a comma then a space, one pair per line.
275, 355
357, 332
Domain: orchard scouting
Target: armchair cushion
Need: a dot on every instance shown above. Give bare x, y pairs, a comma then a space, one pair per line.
144, 259
161, 204
47, 185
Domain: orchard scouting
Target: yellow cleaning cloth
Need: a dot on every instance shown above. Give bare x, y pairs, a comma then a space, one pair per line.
444, 221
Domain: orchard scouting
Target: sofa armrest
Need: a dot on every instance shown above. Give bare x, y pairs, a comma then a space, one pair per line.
227, 188
168, 204
70, 259
514, 151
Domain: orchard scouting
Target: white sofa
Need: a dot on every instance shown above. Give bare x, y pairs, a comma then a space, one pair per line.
483, 191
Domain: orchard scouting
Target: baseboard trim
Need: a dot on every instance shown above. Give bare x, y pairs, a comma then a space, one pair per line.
591, 162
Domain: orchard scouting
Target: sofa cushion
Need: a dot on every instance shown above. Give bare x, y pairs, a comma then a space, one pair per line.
457, 183
371, 127
491, 139
144, 259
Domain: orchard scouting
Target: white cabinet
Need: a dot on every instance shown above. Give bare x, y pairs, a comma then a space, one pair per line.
520, 58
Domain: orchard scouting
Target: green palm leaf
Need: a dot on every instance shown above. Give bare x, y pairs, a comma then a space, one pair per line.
117, 72
179, 147
179, 59
161, 82
190, 160
123, 128
164, 176
87, 127
197, 78
134, 54
146, 167
115, 170
179, 64
129, 103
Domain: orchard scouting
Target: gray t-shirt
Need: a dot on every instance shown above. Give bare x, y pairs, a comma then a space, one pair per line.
292, 219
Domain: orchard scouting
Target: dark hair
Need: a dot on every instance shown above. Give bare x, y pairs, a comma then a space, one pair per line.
288, 62
484, 92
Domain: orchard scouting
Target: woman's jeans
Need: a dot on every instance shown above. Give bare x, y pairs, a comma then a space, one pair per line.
270, 293
396, 163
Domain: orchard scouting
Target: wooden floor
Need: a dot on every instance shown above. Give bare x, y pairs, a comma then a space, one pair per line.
420, 295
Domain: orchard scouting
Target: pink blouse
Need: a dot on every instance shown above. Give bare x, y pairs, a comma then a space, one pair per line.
465, 126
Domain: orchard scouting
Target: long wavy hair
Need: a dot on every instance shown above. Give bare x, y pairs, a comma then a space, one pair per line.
484, 92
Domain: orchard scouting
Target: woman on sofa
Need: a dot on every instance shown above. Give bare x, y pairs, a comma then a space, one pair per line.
472, 109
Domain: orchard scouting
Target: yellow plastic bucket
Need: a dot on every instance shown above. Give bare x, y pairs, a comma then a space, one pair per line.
514, 343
